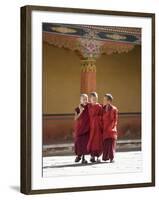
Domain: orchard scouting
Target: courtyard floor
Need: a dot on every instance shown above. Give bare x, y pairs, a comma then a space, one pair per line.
125, 162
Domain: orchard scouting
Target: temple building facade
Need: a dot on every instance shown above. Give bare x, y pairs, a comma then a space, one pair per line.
81, 59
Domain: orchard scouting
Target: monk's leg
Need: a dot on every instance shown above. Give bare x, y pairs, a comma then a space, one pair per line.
77, 152
84, 161
106, 149
98, 160
112, 150
78, 148
92, 159
78, 158
95, 157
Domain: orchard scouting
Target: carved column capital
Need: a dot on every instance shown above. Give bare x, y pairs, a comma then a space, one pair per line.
88, 75
88, 65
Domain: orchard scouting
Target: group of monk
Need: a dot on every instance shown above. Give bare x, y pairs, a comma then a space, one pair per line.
95, 131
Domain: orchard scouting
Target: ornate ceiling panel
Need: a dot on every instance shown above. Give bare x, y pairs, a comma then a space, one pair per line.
92, 41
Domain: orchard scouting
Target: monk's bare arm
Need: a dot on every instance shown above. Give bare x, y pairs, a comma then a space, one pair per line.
77, 115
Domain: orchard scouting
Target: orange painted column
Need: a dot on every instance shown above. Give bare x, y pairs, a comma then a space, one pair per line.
88, 76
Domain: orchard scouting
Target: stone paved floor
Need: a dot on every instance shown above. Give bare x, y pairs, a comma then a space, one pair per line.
125, 162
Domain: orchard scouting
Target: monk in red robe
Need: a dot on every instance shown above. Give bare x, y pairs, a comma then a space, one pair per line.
110, 117
95, 140
82, 128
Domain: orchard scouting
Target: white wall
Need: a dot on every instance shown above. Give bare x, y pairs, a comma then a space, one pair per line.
9, 100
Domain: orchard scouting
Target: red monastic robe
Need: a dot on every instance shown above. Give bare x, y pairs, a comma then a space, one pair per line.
110, 117
95, 140
81, 131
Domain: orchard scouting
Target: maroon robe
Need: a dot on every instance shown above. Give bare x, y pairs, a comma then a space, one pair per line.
81, 131
110, 117
95, 140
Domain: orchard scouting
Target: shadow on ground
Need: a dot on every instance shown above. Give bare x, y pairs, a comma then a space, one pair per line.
75, 165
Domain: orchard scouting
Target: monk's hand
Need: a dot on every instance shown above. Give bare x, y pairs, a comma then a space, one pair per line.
81, 108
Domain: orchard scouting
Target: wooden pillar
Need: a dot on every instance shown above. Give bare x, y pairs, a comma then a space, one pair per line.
88, 76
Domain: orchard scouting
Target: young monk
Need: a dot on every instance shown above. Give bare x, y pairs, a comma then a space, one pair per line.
110, 117
95, 140
82, 128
